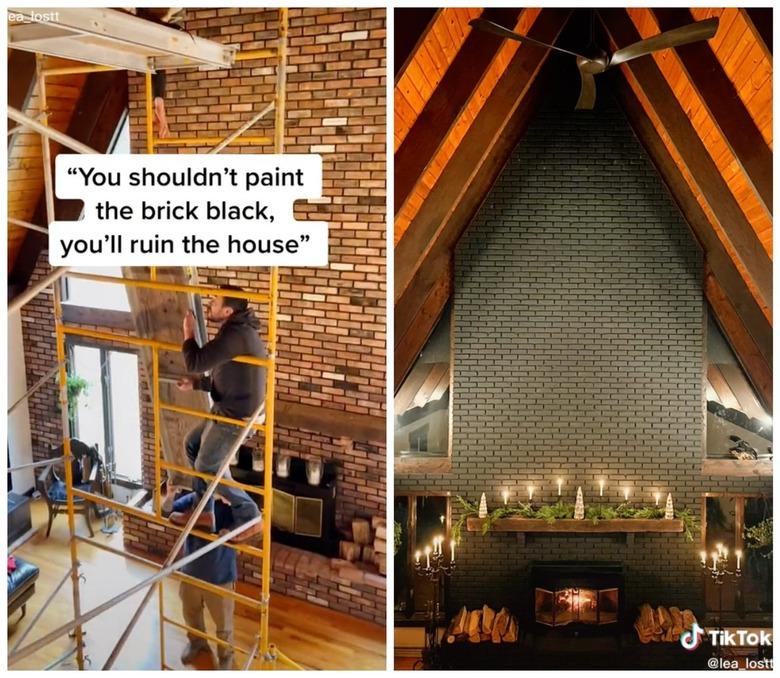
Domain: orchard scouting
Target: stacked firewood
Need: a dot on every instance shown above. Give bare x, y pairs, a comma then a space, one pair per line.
662, 625
482, 626
367, 543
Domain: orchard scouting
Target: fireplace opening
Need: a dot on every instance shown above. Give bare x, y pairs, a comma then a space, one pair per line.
584, 593
576, 605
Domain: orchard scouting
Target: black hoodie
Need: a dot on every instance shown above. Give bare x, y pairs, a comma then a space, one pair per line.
236, 388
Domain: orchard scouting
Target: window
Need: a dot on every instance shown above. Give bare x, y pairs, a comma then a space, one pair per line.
739, 429
422, 405
98, 295
108, 412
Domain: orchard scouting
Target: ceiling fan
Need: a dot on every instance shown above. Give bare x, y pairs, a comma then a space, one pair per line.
596, 60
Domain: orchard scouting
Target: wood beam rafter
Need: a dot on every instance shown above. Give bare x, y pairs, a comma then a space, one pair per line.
756, 367
648, 77
444, 106
450, 203
759, 21
721, 99
757, 325
419, 317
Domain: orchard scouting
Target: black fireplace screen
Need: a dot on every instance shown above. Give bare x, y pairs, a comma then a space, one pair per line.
576, 605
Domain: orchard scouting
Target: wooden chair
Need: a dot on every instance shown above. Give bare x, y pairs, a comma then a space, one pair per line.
52, 488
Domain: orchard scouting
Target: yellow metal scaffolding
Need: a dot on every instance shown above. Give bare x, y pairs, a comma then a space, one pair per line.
262, 648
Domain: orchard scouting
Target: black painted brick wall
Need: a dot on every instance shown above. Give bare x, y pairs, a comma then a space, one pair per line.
579, 343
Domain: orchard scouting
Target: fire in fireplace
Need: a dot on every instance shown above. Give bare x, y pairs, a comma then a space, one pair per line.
574, 592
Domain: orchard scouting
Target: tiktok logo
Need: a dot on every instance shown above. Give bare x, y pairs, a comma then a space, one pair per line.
690, 640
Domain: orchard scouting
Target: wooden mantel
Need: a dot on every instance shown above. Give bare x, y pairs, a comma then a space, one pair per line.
618, 525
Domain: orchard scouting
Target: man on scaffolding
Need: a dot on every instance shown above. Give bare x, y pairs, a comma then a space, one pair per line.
236, 390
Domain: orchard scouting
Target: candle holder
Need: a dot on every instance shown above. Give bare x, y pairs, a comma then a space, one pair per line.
720, 573
434, 568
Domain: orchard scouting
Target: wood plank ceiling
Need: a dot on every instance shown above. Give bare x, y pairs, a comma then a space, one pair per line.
702, 111
25, 166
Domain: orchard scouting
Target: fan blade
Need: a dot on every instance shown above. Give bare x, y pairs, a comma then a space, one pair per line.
501, 31
587, 99
699, 30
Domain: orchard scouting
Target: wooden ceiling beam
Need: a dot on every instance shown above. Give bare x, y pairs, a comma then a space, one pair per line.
445, 104
443, 209
694, 154
411, 26
758, 371
424, 310
759, 21
719, 261
100, 107
724, 105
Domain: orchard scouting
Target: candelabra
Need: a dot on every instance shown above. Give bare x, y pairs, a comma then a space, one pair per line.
434, 568
720, 573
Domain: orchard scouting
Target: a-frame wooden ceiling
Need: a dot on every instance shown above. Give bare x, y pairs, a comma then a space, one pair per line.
86, 107
703, 112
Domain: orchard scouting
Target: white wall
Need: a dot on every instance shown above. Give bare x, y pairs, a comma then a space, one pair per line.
19, 441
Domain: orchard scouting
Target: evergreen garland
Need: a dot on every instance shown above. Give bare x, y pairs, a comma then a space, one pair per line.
562, 510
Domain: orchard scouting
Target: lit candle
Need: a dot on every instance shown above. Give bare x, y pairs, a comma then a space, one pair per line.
625, 494
719, 547
560, 484
505, 495
441, 519
452, 550
530, 493
427, 556
703, 555
417, 557
739, 558
657, 498
601, 487
714, 561
725, 552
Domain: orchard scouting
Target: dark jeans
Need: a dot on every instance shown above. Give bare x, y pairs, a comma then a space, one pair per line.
207, 445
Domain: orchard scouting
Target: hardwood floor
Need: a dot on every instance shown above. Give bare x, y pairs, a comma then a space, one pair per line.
313, 636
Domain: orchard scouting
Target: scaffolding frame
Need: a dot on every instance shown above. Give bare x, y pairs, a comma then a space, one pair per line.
263, 649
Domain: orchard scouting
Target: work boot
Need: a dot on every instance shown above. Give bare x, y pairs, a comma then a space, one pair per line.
192, 650
205, 519
225, 663
247, 534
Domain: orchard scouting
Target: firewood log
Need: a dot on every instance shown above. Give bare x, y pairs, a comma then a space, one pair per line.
460, 619
378, 521
349, 550
677, 622
500, 625
381, 532
449, 636
361, 531
380, 546
511, 633
664, 618
488, 617
689, 619
368, 554
381, 563
484, 637
474, 625
645, 624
